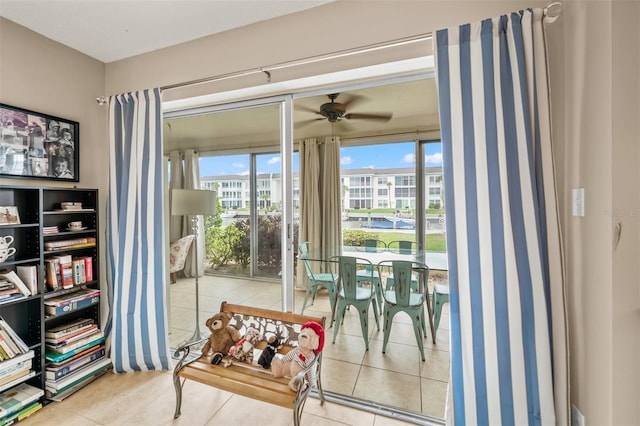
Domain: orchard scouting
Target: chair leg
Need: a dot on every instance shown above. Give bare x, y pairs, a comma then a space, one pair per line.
375, 313
438, 301
306, 298
388, 320
378, 285
339, 318
364, 324
419, 337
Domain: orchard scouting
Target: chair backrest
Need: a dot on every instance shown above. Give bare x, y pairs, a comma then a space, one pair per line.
374, 245
178, 252
347, 272
402, 270
404, 246
303, 250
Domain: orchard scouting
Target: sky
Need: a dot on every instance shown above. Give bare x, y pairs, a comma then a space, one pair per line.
395, 155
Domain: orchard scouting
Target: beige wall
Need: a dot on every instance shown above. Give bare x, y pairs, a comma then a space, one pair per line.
595, 92
44, 76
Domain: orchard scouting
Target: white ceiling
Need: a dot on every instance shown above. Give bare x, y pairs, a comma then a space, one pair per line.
109, 30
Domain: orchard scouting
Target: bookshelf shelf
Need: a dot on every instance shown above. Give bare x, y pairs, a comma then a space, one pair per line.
39, 211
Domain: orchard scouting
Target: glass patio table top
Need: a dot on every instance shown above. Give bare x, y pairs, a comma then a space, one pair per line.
434, 260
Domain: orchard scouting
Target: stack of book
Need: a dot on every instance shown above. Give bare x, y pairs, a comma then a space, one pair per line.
76, 355
12, 287
15, 356
50, 230
71, 205
19, 403
72, 301
70, 244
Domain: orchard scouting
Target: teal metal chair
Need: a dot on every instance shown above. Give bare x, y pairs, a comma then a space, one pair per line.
370, 273
316, 280
403, 247
352, 294
440, 297
401, 298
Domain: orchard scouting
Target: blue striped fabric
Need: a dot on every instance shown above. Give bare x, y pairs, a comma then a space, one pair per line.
136, 251
501, 358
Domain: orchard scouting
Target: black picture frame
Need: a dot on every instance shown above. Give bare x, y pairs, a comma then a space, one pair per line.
34, 145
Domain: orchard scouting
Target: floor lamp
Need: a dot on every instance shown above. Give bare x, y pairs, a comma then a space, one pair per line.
194, 203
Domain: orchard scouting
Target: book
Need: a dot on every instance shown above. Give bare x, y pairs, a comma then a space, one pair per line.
93, 337
59, 346
72, 306
10, 363
8, 347
10, 291
66, 270
15, 367
16, 374
88, 268
62, 394
78, 271
66, 299
17, 381
60, 357
70, 337
70, 327
11, 297
73, 246
29, 275
79, 376
76, 355
29, 410
13, 400
93, 354
12, 277
54, 279
50, 245
14, 336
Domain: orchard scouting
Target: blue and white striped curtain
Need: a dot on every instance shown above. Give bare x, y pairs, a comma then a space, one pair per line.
509, 363
135, 224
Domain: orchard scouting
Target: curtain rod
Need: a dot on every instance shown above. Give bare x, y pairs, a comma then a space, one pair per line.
547, 12
304, 61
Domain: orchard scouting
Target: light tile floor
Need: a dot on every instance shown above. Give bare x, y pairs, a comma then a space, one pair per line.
347, 367
397, 378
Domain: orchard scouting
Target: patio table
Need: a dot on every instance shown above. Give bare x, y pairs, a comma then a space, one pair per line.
432, 260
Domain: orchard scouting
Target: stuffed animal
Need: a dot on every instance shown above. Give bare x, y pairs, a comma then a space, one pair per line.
243, 349
222, 338
273, 343
310, 344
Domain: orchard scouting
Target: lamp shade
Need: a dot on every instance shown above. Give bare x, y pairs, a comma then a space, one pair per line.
193, 202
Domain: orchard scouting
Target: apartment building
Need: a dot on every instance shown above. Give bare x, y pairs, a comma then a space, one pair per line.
362, 189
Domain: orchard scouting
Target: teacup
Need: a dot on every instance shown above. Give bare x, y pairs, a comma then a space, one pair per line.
5, 241
75, 226
5, 253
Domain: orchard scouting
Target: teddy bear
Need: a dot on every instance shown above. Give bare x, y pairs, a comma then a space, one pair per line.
310, 344
222, 338
273, 343
243, 349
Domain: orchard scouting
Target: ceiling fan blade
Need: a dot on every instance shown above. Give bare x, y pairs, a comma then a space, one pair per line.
376, 117
307, 122
351, 101
302, 108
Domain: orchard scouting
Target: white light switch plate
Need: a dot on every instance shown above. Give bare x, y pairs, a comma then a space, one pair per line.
577, 198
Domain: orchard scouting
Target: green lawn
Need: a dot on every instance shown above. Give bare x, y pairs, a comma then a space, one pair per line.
435, 242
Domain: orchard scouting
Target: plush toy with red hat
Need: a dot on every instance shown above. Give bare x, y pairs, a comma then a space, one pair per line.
310, 344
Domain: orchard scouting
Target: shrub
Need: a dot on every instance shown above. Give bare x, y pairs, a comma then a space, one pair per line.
356, 237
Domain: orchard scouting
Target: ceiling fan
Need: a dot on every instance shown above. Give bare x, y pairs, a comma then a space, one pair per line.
335, 111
